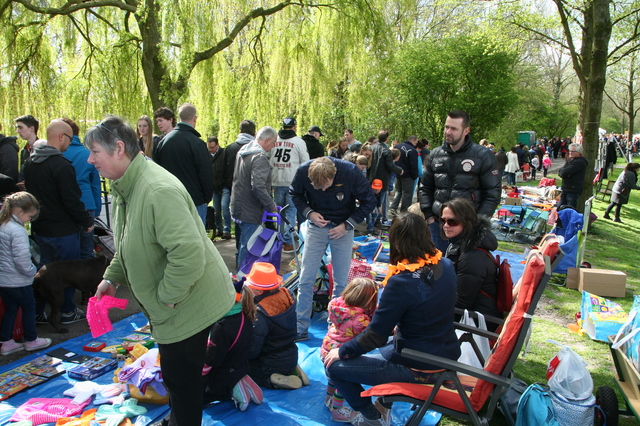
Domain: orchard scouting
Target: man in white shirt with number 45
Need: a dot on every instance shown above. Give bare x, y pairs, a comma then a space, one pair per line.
287, 155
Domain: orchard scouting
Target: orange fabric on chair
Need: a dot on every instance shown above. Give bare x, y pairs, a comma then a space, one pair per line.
501, 351
550, 246
476, 389
447, 395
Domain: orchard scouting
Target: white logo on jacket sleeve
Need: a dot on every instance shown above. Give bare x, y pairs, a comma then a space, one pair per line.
467, 165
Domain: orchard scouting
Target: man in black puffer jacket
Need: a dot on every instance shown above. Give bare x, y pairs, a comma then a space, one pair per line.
9, 156
185, 155
458, 168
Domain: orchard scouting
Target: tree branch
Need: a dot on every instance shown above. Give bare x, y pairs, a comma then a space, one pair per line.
575, 58
70, 7
240, 25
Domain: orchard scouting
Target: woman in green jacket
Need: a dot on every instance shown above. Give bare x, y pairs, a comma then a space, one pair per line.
164, 255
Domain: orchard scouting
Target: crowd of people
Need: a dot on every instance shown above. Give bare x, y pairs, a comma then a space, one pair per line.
224, 340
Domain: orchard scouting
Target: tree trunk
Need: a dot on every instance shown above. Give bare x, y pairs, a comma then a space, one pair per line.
632, 101
596, 34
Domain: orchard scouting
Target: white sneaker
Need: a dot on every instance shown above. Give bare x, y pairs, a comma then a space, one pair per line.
357, 419
10, 347
36, 345
342, 414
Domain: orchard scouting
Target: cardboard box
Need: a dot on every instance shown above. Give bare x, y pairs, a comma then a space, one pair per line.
603, 282
512, 201
573, 278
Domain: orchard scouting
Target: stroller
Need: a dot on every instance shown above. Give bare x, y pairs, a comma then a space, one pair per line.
264, 245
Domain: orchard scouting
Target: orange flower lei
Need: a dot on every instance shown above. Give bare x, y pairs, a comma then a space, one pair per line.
412, 267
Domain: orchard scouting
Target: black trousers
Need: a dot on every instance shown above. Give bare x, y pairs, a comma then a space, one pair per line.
181, 365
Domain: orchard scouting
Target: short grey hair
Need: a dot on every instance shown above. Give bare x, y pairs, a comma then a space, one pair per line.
111, 130
266, 133
577, 147
187, 112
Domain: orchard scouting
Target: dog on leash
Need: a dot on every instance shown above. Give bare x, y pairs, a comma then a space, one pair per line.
51, 280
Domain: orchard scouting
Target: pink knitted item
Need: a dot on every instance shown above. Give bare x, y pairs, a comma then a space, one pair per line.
98, 313
47, 410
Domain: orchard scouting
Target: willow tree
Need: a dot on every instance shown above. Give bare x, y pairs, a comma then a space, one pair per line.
166, 39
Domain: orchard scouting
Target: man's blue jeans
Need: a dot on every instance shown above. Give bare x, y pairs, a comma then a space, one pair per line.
246, 231
226, 200
384, 203
282, 197
372, 369
202, 212
569, 198
222, 214
87, 245
315, 246
60, 248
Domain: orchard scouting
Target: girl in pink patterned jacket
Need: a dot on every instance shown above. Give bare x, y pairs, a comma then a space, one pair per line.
349, 315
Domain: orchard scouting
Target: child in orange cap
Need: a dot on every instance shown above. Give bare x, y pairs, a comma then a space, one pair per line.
376, 186
273, 358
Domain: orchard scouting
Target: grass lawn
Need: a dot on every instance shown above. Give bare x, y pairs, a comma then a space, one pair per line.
609, 246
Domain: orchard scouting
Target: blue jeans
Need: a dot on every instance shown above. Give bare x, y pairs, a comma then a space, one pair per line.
14, 298
371, 219
60, 248
87, 245
436, 238
226, 213
282, 197
384, 203
315, 246
511, 178
202, 212
372, 369
569, 198
222, 213
246, 231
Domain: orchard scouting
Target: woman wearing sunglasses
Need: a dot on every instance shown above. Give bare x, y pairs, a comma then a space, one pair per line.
470, 243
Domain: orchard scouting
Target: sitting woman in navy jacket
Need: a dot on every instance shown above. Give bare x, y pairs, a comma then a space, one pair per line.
470, 243
418, 302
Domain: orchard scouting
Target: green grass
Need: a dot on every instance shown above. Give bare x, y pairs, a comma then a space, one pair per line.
609, 246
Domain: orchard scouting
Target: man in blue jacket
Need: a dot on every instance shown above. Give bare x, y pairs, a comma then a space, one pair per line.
88, 180
325, 191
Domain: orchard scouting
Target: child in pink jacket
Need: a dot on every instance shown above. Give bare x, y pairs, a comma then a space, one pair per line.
349, 315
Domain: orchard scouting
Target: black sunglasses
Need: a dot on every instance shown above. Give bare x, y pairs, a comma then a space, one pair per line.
450, 222
104, 126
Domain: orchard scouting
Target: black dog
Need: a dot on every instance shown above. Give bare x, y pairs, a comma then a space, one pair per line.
51, 280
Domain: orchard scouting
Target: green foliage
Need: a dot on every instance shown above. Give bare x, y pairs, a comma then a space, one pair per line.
476, 76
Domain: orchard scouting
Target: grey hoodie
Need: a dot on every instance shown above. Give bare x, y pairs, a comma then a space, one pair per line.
43, 152
251, 191
230, 154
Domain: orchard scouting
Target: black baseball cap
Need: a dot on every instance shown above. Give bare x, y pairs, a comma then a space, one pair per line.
289, 122
315, 129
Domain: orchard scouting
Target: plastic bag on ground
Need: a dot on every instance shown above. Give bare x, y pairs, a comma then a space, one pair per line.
568, 376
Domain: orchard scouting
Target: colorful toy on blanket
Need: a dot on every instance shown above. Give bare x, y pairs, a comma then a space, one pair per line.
141, 373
